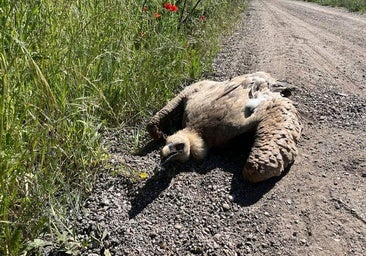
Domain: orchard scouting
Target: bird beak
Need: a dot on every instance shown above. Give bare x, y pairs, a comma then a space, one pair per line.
167, 153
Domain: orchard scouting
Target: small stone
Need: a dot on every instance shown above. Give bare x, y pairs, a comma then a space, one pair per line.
163, 245
226, 206
230, 198
178, 226
217, 236
128, 231
104, 202
251, 237
216, 245
266, 214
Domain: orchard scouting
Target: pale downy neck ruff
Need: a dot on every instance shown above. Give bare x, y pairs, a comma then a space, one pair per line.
197, 148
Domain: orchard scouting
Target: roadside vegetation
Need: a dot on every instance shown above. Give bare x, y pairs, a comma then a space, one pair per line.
352, 5
72, 68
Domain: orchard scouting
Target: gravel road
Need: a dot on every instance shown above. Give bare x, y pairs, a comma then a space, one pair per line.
317, 208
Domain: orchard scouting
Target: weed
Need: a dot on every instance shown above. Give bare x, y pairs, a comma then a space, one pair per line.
70, 68
352, 5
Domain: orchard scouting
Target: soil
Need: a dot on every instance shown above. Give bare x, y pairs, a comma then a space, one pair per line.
206, 208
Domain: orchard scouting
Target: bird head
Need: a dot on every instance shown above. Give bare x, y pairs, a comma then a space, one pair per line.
177, 148
183, 144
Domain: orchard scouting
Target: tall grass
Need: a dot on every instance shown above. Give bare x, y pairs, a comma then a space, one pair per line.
352, 5
69, 68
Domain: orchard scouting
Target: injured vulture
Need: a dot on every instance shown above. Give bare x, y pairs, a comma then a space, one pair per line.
211, 113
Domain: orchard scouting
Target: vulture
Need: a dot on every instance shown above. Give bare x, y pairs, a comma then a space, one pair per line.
208, 114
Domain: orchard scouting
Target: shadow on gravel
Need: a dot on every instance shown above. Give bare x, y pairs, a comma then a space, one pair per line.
230, 158
245, 193
150, 191
149, 147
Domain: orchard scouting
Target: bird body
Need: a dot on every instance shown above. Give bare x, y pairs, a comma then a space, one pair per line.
212, 113
216, 112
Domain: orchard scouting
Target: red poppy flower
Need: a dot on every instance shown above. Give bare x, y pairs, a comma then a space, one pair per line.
157, 15
170, 7
174, 8
203, 18
144, 9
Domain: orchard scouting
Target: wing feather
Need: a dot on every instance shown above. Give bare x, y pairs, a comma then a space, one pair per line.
275, 145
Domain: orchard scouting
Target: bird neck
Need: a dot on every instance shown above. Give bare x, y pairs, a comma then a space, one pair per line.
198, 149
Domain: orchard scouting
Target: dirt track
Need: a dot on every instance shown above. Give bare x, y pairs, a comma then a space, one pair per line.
318, 208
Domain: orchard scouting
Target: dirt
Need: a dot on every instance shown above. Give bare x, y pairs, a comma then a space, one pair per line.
206, 208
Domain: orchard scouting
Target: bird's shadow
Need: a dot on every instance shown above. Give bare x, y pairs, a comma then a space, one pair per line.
230, 159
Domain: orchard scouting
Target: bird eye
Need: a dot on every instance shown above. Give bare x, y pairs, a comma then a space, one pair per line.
179, 146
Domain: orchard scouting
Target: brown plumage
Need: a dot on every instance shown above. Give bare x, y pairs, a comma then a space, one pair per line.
211, 113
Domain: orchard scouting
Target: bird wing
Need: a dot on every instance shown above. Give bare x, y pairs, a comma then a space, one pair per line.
275, 145
169, 118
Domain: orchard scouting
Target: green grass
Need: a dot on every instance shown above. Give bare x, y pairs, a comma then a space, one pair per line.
71, 68
352, 5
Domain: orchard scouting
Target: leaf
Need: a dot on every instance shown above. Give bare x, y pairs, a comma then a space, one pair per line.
107, 253
104, 235
37, 243
143, 175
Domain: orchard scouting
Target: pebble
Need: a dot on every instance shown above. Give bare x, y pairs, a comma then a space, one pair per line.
104, 202
216, 245
178, 226
217, 236
226, 206
251, 237
163, 245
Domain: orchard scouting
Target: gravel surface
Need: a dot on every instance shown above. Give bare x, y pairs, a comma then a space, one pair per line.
206, 208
